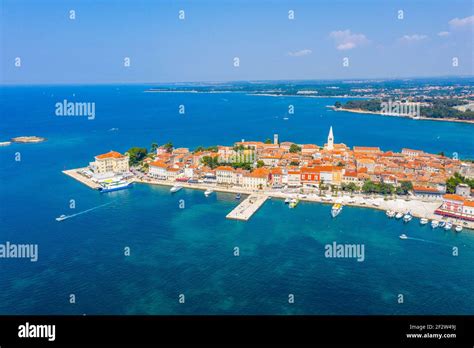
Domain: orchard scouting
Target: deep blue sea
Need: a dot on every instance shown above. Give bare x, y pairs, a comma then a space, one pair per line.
190, 251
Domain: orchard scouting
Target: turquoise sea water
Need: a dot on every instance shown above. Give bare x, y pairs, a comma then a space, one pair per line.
190, 251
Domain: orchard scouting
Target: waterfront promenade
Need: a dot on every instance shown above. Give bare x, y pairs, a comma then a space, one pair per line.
416, 207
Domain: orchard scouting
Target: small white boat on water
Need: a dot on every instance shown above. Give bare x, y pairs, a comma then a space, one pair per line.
407, 217
175, 188
287, 200
434, 224
399, 215
458, 228
336, 209
61, 217
390, 213
293, 203
423, 221
448, 226
442, 224
403, 236
208, 192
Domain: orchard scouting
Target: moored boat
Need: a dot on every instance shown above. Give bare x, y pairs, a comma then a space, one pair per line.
287, 200
237, 196
293, 203
423, 221
336, 209
458, 228
208, 192
175, 188
115, 186
442, 224
448, 226
407, 217
399, 215
434, 223
390, 213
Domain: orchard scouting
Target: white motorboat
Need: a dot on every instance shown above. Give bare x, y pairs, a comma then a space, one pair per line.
403, 236
61, 217
287, 200
336, 210
448, 226
399, 215
423, 221
175, 188
407, 217
390, 213
208, 192
434, 224
442, 224
458, 228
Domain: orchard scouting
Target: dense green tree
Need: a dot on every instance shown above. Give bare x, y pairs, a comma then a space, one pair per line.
268, 141
154, 146
260, 163
457, 179
136, 154
295, 148
168, 147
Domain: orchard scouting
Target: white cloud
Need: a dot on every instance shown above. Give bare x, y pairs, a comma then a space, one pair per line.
443, 33
412, 38
300, 53
345, 40
461, 23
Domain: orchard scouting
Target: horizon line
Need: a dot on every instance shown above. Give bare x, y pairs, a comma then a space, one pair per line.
233, 81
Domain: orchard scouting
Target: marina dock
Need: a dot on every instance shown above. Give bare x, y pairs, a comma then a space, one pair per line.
247, 208
74, 173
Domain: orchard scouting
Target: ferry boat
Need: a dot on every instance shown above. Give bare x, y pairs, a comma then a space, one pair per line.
61, 217
399, 215
336, 209
448, 226
208, 192
407, 217
434, 224
403, 236
458, 228
115, 186
423, 221
390, 213
237, 196
293, 203
175, 188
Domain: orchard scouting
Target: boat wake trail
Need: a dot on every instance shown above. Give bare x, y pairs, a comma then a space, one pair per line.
428, 241
64, 217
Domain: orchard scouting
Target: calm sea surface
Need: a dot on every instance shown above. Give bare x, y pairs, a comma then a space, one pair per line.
190, 251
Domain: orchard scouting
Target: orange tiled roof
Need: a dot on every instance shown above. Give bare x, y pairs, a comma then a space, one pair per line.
111, 154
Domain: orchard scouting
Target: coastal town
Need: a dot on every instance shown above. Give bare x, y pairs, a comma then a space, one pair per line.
408, 183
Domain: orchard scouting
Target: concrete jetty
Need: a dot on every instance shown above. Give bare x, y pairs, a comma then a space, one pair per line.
75, 173
247, 208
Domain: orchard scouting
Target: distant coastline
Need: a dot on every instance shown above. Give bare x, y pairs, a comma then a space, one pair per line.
361, 111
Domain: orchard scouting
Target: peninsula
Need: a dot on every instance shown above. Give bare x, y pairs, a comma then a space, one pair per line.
410, 182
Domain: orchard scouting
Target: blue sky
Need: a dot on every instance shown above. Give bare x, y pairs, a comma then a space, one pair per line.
162, 48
